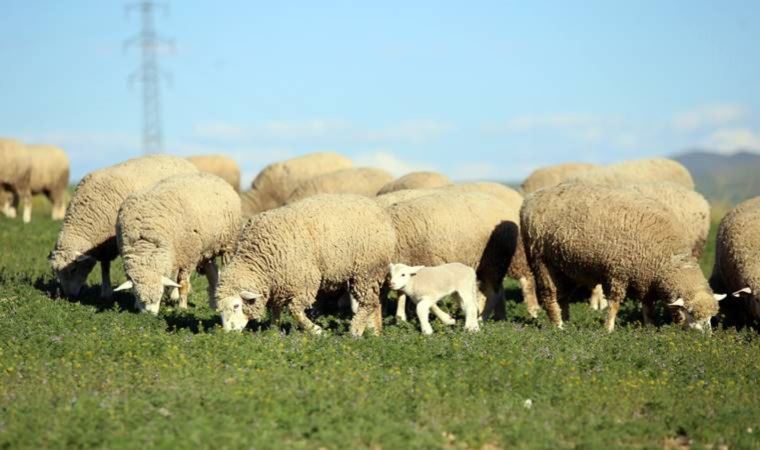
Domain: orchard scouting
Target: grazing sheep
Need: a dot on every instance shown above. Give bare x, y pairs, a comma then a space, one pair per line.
690, 209
579, 234
416, 180
386, 200
473, 228
427, 285
360, 181
737, 256
88, 232
638, 171
553, 175
15, 178
50, 176
518, 267
222, 166
274, 184
285, 256
166, 231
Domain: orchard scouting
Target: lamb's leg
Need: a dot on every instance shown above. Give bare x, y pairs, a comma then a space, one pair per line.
443, 316
529, 296
423, 312
212, 275
296, 310
547, 292
106, 291
469, 305
617, 295
184, 287
401, 306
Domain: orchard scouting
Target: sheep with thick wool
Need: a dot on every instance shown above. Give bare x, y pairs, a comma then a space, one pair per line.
638, 171
176, 226
427, 285
580, 234
15, 178
553, 175
364, 181
737, 257
473, 228
222, 166
274, 184
88, 232
416, 180
286, 256
50, 176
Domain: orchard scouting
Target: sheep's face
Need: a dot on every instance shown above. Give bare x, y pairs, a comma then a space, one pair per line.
236, 310
400, 274
71, 271
698, 318
148, 290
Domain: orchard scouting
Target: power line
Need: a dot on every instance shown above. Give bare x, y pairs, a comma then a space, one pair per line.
150, 44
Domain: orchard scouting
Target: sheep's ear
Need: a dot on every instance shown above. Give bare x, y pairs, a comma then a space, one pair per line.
738, 293
248, 295
719, 297
678, 302
413, 270
124, 286
170, 283
81, 257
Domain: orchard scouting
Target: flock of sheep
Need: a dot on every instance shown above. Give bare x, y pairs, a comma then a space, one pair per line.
316, 225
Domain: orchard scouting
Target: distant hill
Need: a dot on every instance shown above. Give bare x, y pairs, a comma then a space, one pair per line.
723, 177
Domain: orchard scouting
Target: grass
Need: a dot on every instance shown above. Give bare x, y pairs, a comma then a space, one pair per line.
85, 374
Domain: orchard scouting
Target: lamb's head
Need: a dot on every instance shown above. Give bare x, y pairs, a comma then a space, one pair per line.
71, 269
698, 309
400, 274
237, 310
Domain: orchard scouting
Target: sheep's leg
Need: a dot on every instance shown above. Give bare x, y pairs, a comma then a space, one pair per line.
212, 275
13, 208
6, 198
26, 199
647, 311
547, 292
494, 300
106, 291
597, 300
58, 199
423, 313
401, 306
298, 313
367, 294
443, 316
529, 296
184, 287
617, 295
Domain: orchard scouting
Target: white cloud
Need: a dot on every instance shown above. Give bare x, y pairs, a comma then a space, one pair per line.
733, 139
709, 116
386, 160
410, 131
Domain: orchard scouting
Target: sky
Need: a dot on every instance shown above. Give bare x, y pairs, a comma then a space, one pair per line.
476, 90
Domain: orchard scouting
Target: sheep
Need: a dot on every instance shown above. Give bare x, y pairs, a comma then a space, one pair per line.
427, 285
220, 165
285, 256
166, 231
737, 265
473, 228
15, 178
50, 176
416, 180
390, 198
691, 210
638, 171
583, 234
361, 181
553, 175
88, 232
274, 184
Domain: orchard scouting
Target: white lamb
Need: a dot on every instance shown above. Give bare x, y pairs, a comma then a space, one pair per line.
427, 285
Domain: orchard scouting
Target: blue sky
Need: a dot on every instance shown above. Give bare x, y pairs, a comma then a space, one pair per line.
474, 89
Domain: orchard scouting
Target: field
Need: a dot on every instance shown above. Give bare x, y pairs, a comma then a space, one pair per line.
84, 374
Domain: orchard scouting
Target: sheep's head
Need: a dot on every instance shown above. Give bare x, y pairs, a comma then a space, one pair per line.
698, 310
71, 270
400, 274
148, 290
237, 310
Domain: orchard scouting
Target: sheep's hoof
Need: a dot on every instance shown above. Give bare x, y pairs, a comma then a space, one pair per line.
401, 318
450, 321
472, 328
